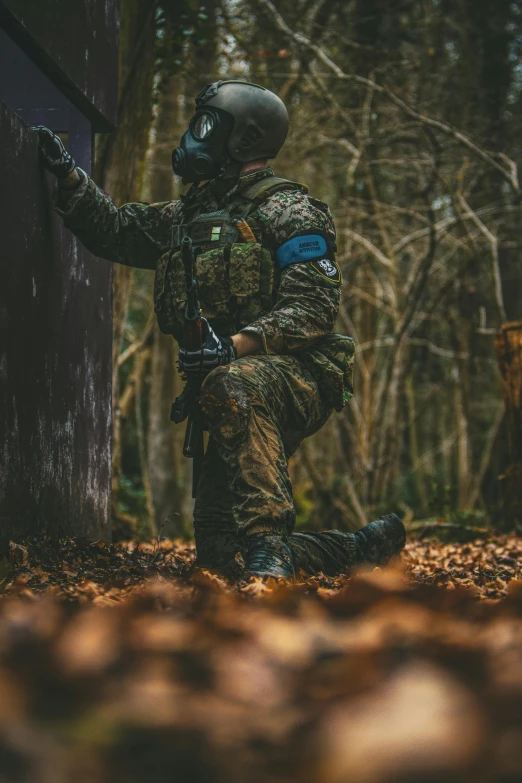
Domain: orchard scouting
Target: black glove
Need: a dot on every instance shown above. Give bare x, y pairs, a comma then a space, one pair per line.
53, 154
215, 352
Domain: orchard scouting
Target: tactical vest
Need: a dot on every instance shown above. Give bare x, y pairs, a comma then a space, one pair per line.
237, 279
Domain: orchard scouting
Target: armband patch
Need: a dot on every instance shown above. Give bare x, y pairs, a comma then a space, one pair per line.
327, 268
305, 247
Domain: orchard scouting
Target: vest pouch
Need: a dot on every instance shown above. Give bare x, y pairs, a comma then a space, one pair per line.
331, 360
169, 282
169, 292
212, 276
251, 274
251, 271
245, 270
159, 281
212, 229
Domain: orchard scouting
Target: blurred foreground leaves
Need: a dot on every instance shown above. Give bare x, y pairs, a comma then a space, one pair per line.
124, 663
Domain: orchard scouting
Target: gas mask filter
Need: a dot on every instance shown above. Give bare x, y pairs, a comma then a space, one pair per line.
203, 153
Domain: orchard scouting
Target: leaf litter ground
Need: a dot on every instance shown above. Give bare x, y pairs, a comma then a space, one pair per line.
124, 663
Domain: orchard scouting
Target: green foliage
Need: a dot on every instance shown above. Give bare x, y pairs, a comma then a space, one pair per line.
305, 505
132, 498
183, 30
132, 508
442, 498
467, 517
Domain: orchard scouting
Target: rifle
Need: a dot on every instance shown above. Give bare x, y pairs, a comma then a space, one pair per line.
186, 404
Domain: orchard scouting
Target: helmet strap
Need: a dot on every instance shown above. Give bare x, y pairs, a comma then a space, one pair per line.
231, 168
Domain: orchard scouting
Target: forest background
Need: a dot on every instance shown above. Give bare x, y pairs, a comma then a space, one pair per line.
406, 118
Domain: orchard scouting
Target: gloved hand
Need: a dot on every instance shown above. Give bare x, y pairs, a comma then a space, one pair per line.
215, 352
53, 154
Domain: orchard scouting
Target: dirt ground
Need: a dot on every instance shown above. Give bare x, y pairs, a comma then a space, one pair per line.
124, 663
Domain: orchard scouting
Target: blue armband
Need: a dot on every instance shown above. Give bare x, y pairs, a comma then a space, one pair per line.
305, 247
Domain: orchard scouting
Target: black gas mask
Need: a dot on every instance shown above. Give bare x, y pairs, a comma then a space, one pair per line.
203, 152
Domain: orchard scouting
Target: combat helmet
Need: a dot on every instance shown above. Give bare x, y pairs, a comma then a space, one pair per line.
260, 118
234, 123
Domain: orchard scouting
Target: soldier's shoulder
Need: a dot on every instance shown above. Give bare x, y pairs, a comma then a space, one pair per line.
166, 207
291, 196
158, 215
155, 220
290, 211
159, 208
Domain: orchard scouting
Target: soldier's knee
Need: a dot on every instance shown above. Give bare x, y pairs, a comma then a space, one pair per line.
226, 405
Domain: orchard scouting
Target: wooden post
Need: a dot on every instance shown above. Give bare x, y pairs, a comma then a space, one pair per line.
508, 348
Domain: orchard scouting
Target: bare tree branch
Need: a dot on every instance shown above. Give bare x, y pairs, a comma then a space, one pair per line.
509, 170
474, 491
370, 247
138, 345
493, 244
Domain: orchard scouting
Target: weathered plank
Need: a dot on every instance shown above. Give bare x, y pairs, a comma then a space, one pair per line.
74, 42
55, 356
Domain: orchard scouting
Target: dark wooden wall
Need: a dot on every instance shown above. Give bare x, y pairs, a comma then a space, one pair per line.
58, 67
74, 42
34, 97
55, 395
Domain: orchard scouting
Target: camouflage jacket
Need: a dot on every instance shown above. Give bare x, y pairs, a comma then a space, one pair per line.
241, 284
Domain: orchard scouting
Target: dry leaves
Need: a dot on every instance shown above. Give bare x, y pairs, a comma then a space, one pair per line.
146, 670
485, 566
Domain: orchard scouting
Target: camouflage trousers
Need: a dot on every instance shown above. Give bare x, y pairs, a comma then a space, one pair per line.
259, 409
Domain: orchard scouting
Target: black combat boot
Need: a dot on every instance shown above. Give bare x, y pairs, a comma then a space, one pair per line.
381, 540
268, 555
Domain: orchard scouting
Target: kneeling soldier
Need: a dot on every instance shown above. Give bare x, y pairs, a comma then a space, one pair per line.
269, 286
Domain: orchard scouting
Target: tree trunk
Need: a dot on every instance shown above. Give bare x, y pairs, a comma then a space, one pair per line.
164, 439
463, 442
164, 454
119, 168
508, 347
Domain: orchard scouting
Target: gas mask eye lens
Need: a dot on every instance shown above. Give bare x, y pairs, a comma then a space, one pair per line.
203, 126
